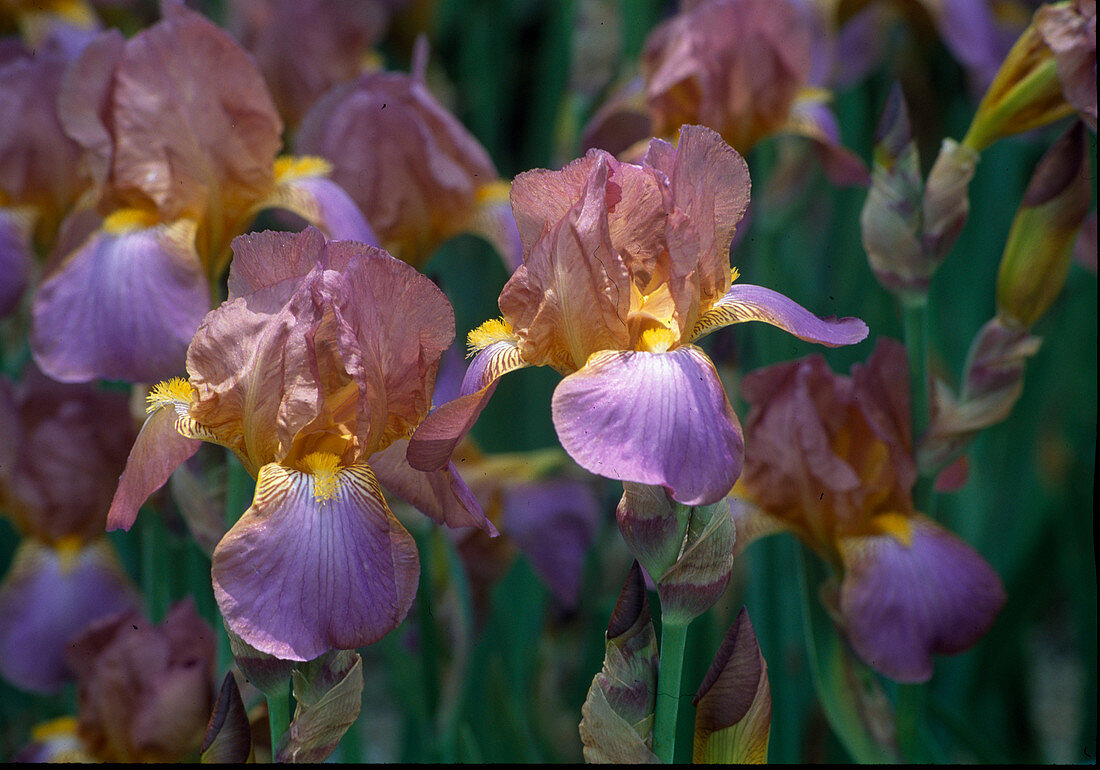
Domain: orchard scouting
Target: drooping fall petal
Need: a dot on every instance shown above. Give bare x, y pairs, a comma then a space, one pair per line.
909, 596
610, 415
440, 495
158, 450
123, 306
298, 575
48, 596
745, 302
437, 436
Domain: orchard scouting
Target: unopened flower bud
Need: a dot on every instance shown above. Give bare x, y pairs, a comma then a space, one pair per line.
1025, 94
734, 705
1039, 250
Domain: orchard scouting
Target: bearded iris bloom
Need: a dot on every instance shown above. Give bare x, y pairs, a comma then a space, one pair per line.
179, 138
831, 460
625, 267
314, 372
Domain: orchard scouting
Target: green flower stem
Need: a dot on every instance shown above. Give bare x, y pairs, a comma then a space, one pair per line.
915, 321
154, 565
673, 638
278, 714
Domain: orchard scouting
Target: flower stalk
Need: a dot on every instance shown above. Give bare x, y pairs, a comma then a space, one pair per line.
673, 639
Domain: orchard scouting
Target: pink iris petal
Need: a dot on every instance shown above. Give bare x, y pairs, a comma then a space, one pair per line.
265, 259
297, 576
902, 604
15, 258
122, 307
440, 495
745, 302
46, 599
434, 440
158, 450
652, 418
324, 204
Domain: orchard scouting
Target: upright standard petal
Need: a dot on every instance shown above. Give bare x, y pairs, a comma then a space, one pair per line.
402, 324
316, 563
745, 302
612, 413
912, 592
571, 295
122, 307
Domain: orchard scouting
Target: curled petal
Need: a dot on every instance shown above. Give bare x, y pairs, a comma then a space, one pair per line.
48, 596
300, 574
907, 596
812, 118
158, 450
745, 302
440, 495
653, 418
431, 445
324, 204
122, 307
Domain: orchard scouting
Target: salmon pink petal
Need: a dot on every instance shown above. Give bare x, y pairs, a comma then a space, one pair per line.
46, 599
745, 302
122, 307
402, 323
315, 564
906, 597
652, 418
158, 450
440, 495
437, 436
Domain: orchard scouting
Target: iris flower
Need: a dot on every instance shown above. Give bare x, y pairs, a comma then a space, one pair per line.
625, 267
314, 372
749, 69
831, 459
416, 173
179, 138
61, 447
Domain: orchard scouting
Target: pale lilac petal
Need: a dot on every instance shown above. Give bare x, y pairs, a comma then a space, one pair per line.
440, 495
15, 257
745, 302
553, 522
815, 120
158, 450
904, 603
652, 418
323, 203
297, 576
122, 307
46, 599
437, 436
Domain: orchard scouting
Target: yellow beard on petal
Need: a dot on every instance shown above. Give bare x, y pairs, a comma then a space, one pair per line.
325, 469
174, 391
896, 525
288, 167
493, 330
